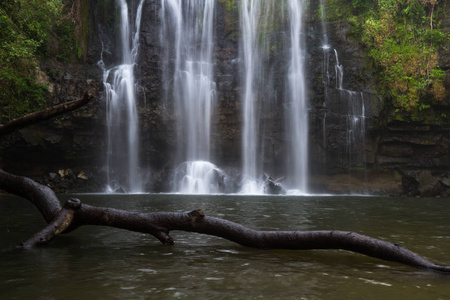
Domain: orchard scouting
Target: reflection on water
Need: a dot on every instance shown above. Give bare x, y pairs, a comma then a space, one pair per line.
106, 263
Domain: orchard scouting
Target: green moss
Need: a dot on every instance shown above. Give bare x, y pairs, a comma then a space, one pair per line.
398, 115
107, 15
67, 46
427, 115
83, 34
20, 95
435, 116
231, 17
230, 5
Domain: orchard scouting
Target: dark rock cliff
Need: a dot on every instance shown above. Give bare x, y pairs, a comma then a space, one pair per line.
393, 155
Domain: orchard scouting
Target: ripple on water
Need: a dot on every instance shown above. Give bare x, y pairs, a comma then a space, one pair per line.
375, 282
148, 271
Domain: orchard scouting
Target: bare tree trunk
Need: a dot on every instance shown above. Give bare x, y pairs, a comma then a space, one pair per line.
74, 214
42, 115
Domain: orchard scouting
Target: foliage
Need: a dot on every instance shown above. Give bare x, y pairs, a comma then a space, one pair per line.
30, 30
230, 5
68, 47
402, 39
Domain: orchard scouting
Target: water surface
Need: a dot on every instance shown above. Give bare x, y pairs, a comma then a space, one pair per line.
106, 263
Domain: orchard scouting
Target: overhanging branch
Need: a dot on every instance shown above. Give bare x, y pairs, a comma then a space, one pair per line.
42, 115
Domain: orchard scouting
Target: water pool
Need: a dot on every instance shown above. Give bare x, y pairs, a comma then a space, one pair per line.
106, 263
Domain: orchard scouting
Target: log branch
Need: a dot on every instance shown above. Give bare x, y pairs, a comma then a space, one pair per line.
41, 196
42, 115
57, 226
309, 240
160, 224
133, 221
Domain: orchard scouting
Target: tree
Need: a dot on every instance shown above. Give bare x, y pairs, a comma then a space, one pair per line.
74, 214
30, 31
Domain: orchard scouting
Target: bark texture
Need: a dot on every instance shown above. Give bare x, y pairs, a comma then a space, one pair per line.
58, 225
75, 214
41, 196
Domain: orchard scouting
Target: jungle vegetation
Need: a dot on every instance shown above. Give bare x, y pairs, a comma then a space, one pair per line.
31, 31
402, 40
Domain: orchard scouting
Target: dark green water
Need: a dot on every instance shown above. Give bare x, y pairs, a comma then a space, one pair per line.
105, 263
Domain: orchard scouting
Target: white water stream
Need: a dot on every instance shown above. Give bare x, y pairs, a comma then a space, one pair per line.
257, 21
122, 157
270, 32
188, 29
297, 133
253, 13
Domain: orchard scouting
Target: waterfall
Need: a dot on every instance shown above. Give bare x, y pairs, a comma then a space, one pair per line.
122, 156
274, 96
261, 47
323, 17
348, 105
325, 69
256, 18
355, 130
250, 14
339, 72
200, 177
187, 33
298, 111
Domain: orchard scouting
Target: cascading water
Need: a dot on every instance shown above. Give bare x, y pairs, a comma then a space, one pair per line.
200, 177
339, 72
298, 111
258, 19
356, 128
122, 157
187, 41
325, 68
188, 30
323, 16
272, 61
355, 119
252, 14
353, 116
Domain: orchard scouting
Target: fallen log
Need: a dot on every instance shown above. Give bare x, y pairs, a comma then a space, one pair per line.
40, 195
75, 214
57, 226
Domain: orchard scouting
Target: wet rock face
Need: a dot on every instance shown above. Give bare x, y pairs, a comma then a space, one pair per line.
157, 114
395, 146
419, 152
392, 150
